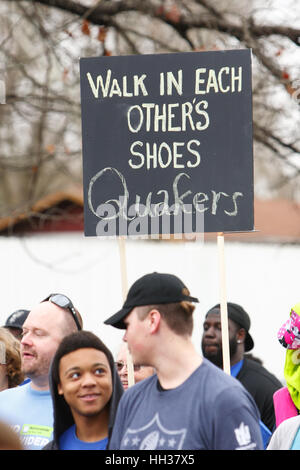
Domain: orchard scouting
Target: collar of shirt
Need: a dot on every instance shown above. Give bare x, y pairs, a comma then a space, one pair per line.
234, 370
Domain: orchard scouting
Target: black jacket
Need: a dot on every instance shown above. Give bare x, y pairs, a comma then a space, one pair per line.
62, 415
261, 384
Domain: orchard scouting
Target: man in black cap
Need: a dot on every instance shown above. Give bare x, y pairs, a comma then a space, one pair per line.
15, 321
189, 403
259, 382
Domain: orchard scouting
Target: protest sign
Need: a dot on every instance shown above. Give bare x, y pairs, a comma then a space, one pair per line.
167, 143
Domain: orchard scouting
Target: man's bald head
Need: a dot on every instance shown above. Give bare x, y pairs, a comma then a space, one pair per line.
45, 327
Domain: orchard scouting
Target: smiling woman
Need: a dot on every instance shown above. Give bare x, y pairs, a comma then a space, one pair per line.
85, 391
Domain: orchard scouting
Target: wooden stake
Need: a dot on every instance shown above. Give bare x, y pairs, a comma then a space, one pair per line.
122, 250
223, 304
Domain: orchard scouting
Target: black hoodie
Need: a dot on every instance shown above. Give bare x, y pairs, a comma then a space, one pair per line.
62, 416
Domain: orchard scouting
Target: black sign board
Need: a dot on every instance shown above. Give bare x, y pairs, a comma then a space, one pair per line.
167, 143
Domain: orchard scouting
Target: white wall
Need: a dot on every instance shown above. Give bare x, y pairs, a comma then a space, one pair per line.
264, 279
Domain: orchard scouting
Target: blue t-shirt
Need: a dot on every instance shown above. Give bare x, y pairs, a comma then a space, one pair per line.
69, 441
30, 414
210, 410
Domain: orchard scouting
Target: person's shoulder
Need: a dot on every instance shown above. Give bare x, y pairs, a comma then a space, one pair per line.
214, 373
15, 396
215, 381
287, 427
20, 393
293, 421
220, 388
254, 365
14, 391
11, 401
261, 372
141, 386
139, 389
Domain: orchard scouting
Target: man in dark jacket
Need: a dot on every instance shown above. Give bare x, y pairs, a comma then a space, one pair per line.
86, 390
259, 382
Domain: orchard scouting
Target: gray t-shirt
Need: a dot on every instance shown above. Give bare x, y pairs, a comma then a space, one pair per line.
209, 411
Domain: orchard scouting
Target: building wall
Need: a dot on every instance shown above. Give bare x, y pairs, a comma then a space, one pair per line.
263, 278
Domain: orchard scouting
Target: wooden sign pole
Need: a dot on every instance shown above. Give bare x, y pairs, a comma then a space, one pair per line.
223, 304
122, 250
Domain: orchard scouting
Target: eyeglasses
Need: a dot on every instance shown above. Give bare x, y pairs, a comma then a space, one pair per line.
63, 301
119, 365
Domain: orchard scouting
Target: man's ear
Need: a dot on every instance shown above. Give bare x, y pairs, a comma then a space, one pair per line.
241, 335
154, 317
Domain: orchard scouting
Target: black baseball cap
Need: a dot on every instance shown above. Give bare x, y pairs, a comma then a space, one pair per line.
154, 288
16, 319
238, 315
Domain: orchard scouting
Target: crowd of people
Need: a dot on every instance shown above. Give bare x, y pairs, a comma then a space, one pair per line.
62, 389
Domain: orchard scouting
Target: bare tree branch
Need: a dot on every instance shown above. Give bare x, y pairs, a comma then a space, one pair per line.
41, 42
